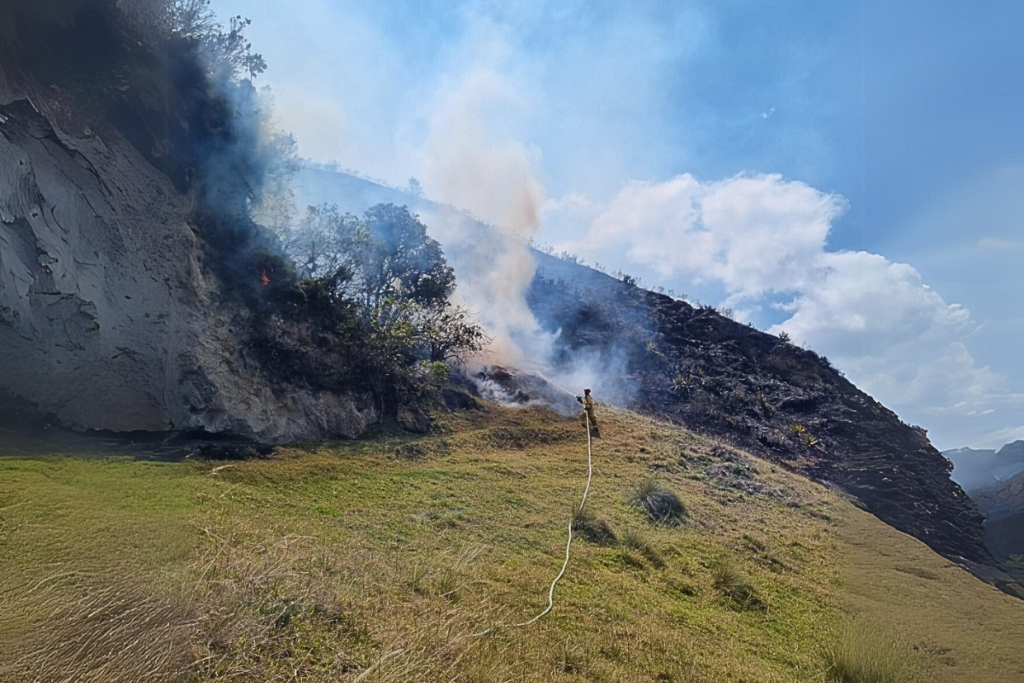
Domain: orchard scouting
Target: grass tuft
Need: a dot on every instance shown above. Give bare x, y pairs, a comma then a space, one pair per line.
592, 528
634, 540
660, 502
859, 654
735, 584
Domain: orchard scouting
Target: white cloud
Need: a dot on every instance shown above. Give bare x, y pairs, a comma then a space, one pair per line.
755, 234
1001, 437
763, 238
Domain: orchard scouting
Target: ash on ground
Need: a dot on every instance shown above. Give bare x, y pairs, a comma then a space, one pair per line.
513, 387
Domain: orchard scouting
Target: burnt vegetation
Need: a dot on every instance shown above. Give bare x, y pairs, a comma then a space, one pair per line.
696, 367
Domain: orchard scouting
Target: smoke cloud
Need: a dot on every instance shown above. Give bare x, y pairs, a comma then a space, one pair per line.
473, 163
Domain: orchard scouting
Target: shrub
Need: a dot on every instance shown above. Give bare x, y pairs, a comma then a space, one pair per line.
437, 372
859, 654
735, 584
660, 503
592, 528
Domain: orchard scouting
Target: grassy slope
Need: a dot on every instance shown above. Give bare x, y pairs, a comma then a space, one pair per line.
392, 552
966, 630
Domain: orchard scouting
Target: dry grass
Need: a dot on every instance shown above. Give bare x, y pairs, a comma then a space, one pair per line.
112, 632
862, 653
954, 628
301, 609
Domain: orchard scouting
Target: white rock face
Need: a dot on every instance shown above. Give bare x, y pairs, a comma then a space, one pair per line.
108, 319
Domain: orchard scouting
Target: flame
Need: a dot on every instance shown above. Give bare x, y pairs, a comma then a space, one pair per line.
264, 278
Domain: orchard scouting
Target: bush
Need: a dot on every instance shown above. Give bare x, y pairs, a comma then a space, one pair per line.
859, 654
660, 503
436, 371
735, 584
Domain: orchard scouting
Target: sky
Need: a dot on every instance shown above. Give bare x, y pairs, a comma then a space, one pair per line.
850, 173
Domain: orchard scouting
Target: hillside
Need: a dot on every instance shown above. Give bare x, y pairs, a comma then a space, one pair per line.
390, 553
699, 369
1002, 504
994, 479
1000, 500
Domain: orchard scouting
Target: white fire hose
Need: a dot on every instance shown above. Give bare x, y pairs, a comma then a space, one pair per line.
568, 543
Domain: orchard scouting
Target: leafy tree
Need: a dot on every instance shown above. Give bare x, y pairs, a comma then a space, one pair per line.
399, 260
387, 267
326, 242
192, 19
449, 334
226, 51
387, 255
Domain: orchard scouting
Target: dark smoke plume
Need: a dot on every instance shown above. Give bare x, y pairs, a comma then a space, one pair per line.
177, 97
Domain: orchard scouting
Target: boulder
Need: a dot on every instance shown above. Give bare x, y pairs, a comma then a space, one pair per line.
413, 419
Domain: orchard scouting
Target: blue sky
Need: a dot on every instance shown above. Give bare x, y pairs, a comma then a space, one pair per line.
850, 172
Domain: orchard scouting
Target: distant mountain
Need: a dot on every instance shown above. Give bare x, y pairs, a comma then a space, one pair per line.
977, 469
1003, 504
994, 479
1001, 500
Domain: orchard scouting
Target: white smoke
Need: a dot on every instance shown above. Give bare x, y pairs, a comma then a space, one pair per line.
474, 161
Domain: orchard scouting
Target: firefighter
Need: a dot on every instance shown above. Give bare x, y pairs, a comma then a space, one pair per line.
587, 401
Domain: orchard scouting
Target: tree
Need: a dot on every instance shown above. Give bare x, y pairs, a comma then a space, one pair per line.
227, 53
326, 242
400, 260
397, 276
192, 19
449, 334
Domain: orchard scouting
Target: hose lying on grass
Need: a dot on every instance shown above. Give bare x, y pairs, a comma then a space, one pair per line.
568, 543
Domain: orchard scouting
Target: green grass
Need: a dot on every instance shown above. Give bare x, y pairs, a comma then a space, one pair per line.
383, 558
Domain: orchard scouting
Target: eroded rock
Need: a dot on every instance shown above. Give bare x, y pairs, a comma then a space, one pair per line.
109, 319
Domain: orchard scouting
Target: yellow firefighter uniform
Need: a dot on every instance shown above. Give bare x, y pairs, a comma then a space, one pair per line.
588, 410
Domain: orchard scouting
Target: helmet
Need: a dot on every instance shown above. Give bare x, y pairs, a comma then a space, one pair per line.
586, 391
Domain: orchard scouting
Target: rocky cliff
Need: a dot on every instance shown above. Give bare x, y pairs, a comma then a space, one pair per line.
110, 316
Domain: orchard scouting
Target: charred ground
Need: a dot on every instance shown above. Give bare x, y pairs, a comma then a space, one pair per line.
698, 368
